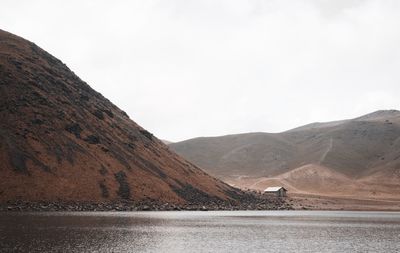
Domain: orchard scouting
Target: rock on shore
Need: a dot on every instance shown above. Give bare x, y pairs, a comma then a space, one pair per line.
249, 201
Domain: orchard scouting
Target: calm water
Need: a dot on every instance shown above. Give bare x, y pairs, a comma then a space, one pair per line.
240, 231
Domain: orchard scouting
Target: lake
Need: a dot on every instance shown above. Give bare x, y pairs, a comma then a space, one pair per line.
213, 231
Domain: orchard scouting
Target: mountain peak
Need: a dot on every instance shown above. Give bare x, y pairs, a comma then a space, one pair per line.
380, 115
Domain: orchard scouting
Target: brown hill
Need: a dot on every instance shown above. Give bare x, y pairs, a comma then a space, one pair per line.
353, 154
61, 140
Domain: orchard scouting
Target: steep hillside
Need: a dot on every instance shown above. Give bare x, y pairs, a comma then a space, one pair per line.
61, 140
361, 149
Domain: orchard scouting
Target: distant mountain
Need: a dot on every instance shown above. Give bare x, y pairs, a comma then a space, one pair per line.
167, 142
364, 152
62, 141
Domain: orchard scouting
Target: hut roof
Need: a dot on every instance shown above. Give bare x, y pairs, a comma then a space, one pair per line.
274, 189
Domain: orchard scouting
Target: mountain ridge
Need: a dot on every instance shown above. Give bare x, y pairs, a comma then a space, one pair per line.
356, 148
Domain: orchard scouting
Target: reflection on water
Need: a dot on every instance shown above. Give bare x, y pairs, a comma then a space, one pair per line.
224, 231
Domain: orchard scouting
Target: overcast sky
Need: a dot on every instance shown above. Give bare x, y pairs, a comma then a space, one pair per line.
184, 69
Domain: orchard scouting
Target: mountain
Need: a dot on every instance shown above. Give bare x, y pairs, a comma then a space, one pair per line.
360, 155
62, 141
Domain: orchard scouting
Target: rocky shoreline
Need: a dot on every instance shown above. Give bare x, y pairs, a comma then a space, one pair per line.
253, 203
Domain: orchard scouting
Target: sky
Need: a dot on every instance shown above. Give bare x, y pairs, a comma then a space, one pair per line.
184, 69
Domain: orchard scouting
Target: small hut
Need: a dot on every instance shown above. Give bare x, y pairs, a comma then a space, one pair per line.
277, 191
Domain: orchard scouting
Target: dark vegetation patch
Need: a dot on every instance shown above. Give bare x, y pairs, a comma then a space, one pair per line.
130, 145
132, 138
109, 113
40, 99
67, 150
59, 153
74, 128
92, 139
37, 122
60, 114
233, 193
179, 183
84, 97
18, 161
103, 170
147, 134
70, 149
156, 152
124, 114
19, 158
16, 62
104, 190
124, 189
149, 166
118, 154
192, 194
99, 114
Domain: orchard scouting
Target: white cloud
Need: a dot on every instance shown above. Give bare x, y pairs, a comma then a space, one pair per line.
183, 69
